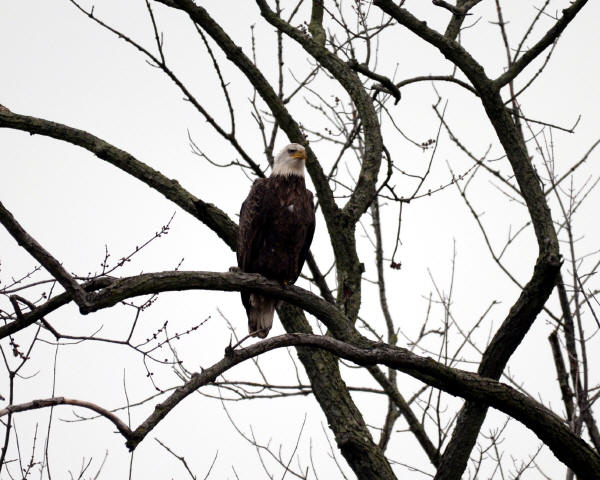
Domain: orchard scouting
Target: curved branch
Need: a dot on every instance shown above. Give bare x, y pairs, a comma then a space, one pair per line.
384, 82
38, 252
442, 78
450, 48
364, 192
110, 291
454, 26
342, 226
210, 215
235, 54
161, 63
567, 447
52, 402
548, 39
531, 300
158, 282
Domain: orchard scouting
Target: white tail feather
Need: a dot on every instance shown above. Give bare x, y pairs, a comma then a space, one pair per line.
260, 315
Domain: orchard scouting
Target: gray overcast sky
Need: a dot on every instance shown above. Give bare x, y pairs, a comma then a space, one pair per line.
56, 64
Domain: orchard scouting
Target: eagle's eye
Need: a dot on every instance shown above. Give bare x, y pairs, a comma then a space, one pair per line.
291, 150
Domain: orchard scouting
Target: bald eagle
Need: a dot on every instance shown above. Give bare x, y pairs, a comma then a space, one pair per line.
277, 223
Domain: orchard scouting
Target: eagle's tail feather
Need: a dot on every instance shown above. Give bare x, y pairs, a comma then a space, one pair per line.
260, 315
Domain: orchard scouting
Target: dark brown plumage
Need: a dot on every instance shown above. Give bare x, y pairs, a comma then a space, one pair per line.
277, 222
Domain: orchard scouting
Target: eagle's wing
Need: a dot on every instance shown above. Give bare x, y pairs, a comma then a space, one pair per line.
251, 231
309, 233
253, 217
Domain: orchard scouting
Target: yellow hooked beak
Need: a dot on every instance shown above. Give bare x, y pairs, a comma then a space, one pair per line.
300, 154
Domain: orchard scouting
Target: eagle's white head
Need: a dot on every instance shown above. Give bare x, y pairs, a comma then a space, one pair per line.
290, 161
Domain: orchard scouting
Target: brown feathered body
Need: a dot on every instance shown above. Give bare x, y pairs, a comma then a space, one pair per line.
277, 223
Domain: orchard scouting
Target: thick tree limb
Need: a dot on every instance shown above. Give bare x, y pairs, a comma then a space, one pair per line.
538, 289
352, 436
235, 54
207, 213
442, 78
568, 448
110, 291
158, 282
463, 7
315, 27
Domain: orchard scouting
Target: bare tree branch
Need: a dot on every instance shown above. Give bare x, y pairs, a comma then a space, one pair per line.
52, 402
551, 429
41, 255
548, 39
207, 213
